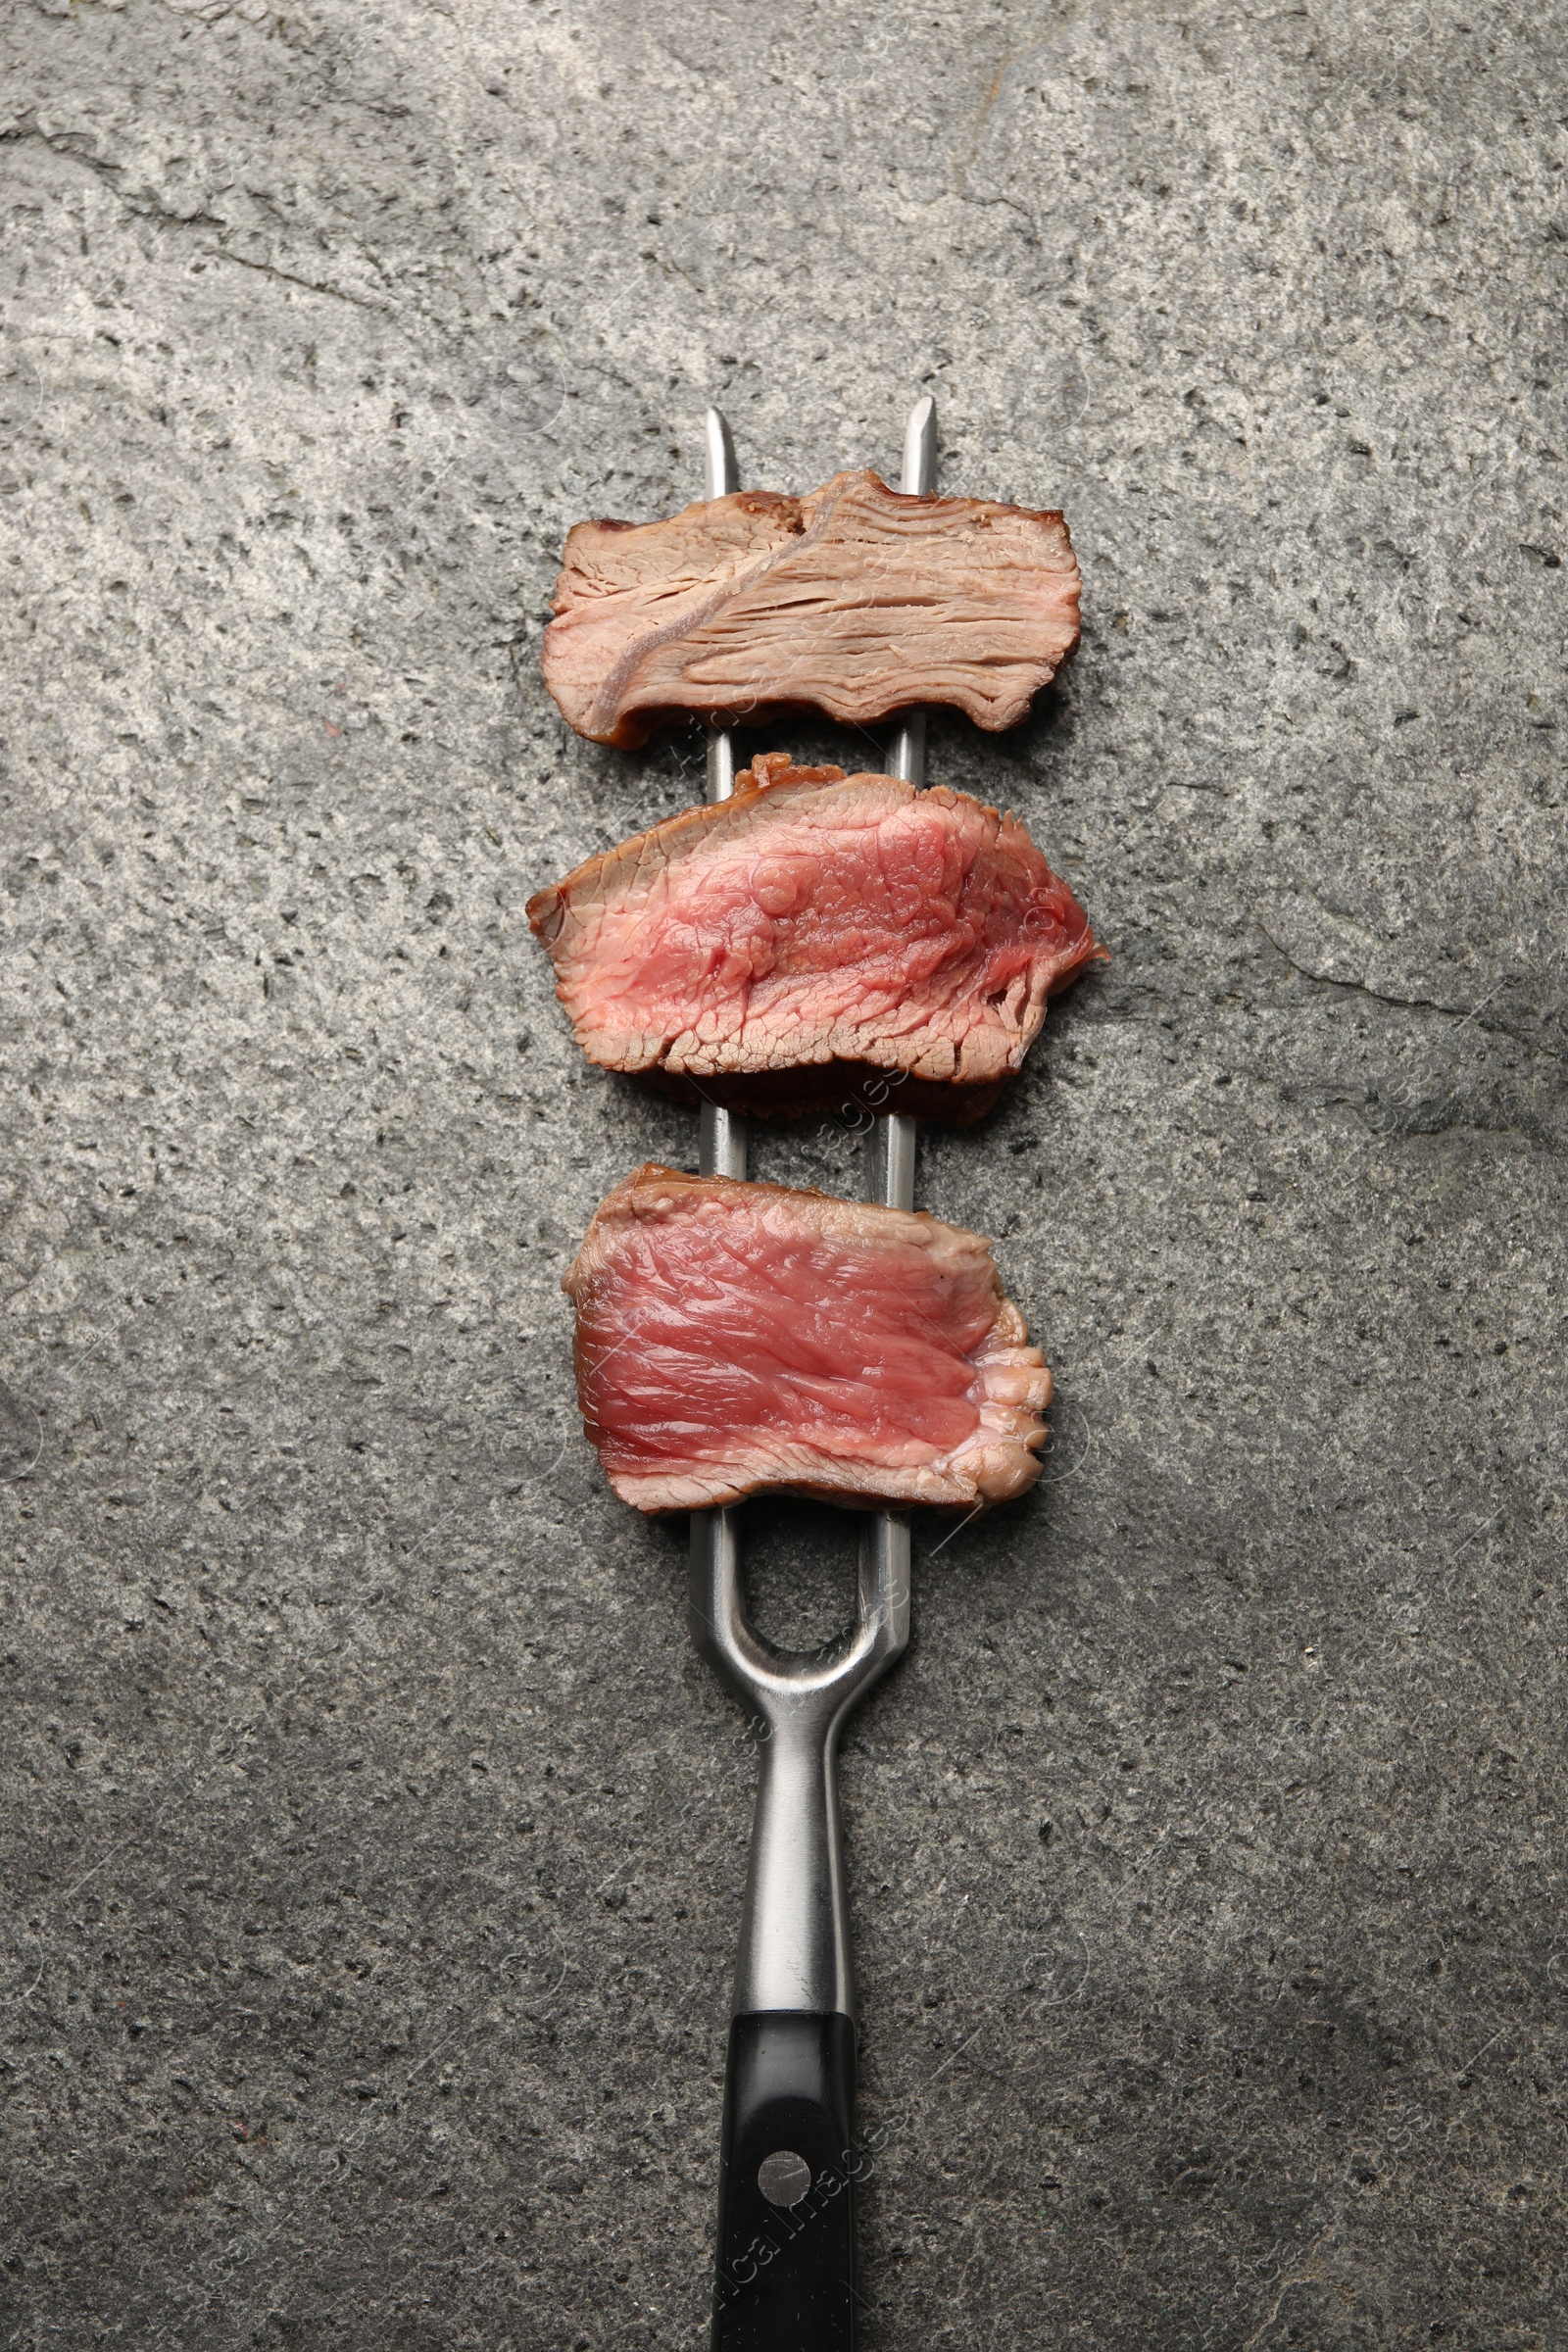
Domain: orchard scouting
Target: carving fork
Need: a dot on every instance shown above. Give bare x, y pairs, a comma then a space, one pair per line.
786, 2235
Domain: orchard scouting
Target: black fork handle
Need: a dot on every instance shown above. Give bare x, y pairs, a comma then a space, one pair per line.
786, 2200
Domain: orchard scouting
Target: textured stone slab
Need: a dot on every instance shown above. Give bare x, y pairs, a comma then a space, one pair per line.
374, 1840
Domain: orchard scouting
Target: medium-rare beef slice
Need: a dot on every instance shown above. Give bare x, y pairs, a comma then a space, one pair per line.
857, 601
734, 1338
818, 940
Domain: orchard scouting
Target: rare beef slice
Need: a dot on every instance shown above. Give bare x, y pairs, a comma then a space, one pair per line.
734, 1338
820, 942
857, 600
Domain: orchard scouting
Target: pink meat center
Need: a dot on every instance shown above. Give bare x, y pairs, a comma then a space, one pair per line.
710, 1335
870, 913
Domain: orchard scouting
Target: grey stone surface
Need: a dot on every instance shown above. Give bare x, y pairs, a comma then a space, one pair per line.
374, 1840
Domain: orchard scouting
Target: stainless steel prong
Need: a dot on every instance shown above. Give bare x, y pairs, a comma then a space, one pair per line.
721, 763
906, 753
890, 1146
920, 449
720, 474
890, 1163
721, 1143
721, 1135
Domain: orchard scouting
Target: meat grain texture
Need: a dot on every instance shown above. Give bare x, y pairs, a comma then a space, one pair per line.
734, 1339
857, 601
817, 942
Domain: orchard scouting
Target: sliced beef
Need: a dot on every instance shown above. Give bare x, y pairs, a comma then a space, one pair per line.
857, 601
733, 1338
817, 942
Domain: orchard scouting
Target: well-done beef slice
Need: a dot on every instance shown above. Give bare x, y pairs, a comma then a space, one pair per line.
818, 941
734, 1338
855, 599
